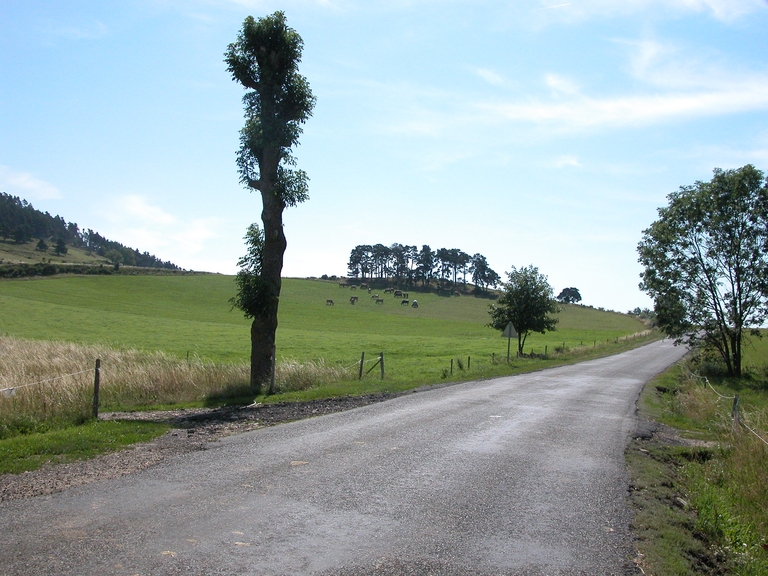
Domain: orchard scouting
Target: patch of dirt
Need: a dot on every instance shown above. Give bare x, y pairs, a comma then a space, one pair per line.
192, 430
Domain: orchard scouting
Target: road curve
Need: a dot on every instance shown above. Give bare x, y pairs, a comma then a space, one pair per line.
517, 475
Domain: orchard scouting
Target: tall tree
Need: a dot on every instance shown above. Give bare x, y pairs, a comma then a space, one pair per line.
265, 60
706, 265
482, 274
426, 264
61, 248
527, 303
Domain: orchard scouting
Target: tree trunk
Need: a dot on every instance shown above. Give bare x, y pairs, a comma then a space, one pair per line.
264, 325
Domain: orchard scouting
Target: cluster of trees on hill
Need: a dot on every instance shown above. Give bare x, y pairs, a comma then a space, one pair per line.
409, 265
21, 222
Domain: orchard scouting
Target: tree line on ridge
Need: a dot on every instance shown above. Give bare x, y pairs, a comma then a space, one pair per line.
408, 265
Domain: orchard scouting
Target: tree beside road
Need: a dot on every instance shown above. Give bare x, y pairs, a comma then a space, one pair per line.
706, 262
265, 60
526, 302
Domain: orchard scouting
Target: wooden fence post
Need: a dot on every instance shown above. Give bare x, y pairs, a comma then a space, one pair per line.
469, 361
96, 383
735, 413
362, 363
381, 362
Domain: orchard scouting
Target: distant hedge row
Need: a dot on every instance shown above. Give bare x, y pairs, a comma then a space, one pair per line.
50, 269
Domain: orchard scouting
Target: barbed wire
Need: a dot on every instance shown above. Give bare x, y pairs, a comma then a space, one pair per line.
13, 388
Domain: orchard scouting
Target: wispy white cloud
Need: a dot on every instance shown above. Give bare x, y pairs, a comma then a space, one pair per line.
88, 31
26, 186
561, 84
136, 222
587, 112
668, 65
567, 160
493, 78
134, 207
723, 10
268, 5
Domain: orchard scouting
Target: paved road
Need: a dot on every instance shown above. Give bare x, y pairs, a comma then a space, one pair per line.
520, 475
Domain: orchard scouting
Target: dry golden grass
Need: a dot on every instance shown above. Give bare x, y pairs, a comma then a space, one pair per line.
44, 381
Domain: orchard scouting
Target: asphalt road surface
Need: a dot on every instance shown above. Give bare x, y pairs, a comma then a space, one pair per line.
519, 475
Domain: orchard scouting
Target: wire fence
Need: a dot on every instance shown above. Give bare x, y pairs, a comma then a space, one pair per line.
11, 390
737, 414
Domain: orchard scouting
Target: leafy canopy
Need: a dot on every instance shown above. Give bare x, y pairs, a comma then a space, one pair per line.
252, 292
265, 60
569, 295
706, 265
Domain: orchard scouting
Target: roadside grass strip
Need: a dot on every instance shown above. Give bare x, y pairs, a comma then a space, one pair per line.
701, 497
31, 451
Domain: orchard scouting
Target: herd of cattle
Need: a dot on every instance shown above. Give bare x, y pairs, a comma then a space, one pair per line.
395, 293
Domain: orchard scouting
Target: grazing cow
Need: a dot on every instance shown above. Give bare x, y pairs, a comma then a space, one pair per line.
363, 286
329, 302
352, 299
343, 285
415, 304
379, 300
398, 293
388, 290
352, 287
404, 303
374, 297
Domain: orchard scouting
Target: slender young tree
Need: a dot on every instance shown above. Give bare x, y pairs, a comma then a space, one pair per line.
527, 303
265, 59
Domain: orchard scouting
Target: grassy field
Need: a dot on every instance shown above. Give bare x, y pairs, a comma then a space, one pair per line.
191, 315
174, 340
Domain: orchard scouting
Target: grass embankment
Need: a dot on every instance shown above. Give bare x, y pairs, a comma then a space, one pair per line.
175, 341
702, 507
25, 253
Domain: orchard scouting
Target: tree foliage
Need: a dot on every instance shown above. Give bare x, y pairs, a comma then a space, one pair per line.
409, 265
265, 59
251, 297
706, 265
569, 296
61, 248
526, 302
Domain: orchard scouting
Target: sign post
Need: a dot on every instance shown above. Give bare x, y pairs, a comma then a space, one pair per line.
509, 333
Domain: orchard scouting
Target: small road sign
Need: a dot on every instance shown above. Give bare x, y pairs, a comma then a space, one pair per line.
509, 332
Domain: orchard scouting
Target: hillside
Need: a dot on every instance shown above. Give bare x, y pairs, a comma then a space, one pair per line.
191, 314
30, 236
24, 253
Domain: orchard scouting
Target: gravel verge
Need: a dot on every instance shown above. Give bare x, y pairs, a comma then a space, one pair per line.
192, 430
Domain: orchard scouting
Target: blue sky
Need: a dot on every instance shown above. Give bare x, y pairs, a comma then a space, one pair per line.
533, 132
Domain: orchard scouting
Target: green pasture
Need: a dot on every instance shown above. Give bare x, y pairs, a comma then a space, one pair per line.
191, 315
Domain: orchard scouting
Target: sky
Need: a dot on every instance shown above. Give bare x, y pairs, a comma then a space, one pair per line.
534, 132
